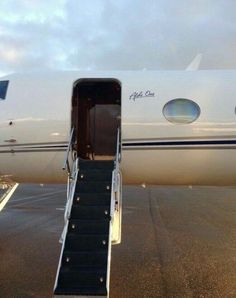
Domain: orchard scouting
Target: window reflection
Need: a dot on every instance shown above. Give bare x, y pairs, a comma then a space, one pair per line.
181, 110
3, 89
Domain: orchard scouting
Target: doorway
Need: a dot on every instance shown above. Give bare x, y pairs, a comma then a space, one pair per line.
96, 117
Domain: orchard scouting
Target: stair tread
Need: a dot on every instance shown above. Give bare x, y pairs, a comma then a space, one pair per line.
84, 252
99, 292
75, 277
94, 175
93, 194
96, 164
76, 237
90, 212
89, 227
65, 269
100, 171
81, 160
91, 199
86, 242
93, 187
89, 207
82, 221
85, 260
94, 182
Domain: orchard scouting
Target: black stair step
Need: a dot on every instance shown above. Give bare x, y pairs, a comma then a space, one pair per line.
90, 212
93, 227
97, 199
75, 277
95, 175
96, 164
93, 187
86, 242
85, 291
86, 260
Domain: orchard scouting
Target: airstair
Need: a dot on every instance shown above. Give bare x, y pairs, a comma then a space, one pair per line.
92, 225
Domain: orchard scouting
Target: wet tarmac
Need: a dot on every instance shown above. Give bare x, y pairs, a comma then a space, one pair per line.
177, 242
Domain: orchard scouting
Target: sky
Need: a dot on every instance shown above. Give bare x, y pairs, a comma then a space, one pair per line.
116, 34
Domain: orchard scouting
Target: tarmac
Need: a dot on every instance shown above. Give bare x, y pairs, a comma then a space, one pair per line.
176, 242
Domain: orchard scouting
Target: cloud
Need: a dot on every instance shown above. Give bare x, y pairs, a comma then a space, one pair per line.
109, 34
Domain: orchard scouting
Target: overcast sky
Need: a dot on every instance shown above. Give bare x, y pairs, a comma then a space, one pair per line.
116, 34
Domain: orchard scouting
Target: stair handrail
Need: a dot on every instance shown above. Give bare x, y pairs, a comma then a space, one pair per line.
114, 190
115, 173
66, 165
118, 148
71, 188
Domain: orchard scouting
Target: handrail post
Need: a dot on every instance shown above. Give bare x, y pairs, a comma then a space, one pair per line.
118, 146
66, 165
117, 160
116, 196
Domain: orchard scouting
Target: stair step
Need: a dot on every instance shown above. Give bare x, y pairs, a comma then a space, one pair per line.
93, 227
77, 278
90, 212
93, 187
82, 291
97, 199
95, 175
86, 242
86, 260
96, 164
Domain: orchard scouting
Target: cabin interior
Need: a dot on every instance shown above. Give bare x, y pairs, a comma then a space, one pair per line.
96, 117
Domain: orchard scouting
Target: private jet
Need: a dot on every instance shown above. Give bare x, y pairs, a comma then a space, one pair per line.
96, 131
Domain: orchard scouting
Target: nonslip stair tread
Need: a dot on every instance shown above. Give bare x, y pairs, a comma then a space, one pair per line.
76, 277
96, 164
76, 242
93, 186
82, 266
85, 253
94, 175
94, 227
86, 291
90, 212
91, 198
85, 260
83, 273
85, 237
89, 208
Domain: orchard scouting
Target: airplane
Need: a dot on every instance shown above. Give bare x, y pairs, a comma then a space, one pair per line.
107, 129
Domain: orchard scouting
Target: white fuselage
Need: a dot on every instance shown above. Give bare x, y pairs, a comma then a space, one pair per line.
35, 121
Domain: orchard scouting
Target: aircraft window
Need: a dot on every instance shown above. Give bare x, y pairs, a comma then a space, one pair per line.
3, 89
181, 111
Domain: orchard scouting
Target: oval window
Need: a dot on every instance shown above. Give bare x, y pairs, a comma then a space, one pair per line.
181, 110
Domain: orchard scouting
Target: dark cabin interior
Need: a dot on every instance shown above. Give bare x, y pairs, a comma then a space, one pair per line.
96, 117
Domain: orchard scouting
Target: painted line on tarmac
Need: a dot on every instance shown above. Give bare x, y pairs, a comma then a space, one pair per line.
37, 196
46, 197
8, 196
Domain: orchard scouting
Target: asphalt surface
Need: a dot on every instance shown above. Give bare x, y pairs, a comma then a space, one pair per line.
177, 242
